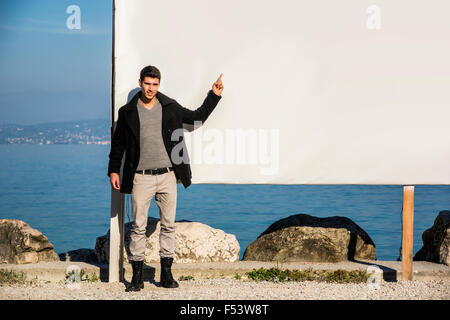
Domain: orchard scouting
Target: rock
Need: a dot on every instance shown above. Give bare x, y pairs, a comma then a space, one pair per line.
194, 242
20, 244
79, 255
306, 238
436, 241
300, 244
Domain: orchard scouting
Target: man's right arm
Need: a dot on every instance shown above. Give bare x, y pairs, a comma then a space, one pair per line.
116, 153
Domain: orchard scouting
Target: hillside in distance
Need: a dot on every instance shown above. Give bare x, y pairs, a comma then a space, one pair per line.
70, 132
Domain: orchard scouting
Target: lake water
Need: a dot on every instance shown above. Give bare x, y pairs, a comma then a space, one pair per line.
63, 191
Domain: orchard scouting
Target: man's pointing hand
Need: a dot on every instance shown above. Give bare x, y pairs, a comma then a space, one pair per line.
217, 87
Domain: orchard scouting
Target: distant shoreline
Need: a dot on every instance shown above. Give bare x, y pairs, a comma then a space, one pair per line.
68, 132
57, 143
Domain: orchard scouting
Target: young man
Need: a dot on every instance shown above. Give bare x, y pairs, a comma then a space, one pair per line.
144, 132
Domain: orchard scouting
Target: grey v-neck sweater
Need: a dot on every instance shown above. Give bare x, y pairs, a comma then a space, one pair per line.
153, 153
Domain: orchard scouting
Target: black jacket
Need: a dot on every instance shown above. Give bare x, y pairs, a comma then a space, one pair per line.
126, 136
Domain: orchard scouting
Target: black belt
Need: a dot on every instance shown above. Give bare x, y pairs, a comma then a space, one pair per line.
155, 171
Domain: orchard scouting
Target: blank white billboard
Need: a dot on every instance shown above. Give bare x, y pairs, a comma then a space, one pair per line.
315, 92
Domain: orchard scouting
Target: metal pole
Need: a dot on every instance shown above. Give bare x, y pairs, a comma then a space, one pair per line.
117, 199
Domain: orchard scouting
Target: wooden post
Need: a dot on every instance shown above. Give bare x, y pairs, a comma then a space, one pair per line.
407, 232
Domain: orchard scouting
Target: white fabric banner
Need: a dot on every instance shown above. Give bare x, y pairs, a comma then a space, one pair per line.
315, 92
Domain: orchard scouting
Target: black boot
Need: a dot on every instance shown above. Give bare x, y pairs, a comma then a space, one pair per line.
137, 281
167, 280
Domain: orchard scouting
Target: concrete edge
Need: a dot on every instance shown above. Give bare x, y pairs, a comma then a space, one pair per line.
56, 271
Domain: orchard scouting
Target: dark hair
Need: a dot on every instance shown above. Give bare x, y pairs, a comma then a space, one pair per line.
150, 71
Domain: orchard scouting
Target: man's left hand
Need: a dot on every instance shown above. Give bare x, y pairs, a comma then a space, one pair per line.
217, 87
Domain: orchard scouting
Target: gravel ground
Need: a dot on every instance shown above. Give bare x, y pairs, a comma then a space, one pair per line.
232, 289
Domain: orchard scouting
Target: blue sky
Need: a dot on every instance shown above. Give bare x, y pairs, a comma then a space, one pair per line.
49, 72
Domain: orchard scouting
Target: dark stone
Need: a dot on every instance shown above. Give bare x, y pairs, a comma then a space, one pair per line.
79, 255
302, 237
436, 241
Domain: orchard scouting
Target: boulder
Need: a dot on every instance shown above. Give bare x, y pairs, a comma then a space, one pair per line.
302, 237
194, 242
436, 241
20, 244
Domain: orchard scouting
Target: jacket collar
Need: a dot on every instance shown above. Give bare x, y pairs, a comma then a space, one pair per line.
162, 98
132, 115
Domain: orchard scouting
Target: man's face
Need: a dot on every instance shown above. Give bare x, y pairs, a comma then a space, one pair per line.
149, 87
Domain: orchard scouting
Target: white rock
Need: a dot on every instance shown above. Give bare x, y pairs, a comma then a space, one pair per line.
194, 242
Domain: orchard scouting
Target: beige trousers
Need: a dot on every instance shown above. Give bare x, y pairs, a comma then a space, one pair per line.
164, 188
